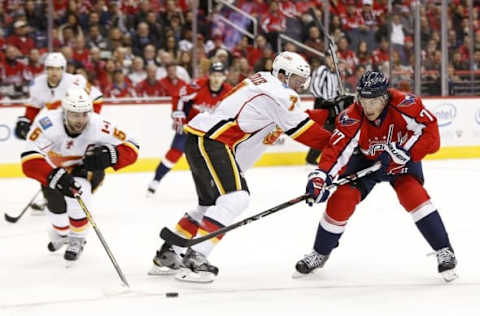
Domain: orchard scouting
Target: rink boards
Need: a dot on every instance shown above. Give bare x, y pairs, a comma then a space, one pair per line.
150, 123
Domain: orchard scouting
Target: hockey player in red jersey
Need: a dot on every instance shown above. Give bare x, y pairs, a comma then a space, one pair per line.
202, 95
388, 126
67, 151
222, 144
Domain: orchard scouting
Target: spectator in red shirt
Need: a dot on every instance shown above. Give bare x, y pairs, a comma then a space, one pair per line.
314, 41
12, 75
80, 52
171, 83
151, 87
255, 53
121, 87
347, 55
20, 39
380, 55
273, 23
34, 66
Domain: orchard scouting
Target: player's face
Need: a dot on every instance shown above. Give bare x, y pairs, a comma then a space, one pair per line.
54, 74
296, 82
372, 107
76, 122
216, 80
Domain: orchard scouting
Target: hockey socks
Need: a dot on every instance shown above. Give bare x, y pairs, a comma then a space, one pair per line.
171, 158
433, 230
325, 241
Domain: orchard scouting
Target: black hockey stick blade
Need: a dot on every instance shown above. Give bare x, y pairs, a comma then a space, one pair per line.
12, 219
174, 239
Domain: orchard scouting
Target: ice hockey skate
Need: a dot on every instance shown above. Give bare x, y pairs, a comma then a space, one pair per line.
197, 268
74, 249
56, 241
309, 263
152, 188
39, 206
446, 264
166, 261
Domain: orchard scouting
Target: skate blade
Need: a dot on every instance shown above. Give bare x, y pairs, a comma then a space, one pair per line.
449, 276
187, 275
70, 264
162, 271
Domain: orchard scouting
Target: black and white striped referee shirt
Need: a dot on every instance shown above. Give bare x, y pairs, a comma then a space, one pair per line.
324, 83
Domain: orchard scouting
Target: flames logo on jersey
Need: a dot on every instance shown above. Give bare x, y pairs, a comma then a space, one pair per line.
407, 101
345, 120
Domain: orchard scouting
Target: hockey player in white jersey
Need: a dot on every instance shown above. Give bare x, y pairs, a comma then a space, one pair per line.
46, 92
262, 105
66, 149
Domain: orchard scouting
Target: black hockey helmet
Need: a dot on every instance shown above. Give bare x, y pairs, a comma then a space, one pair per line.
372, 84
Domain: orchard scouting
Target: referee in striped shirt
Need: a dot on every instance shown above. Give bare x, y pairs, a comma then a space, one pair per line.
325, 88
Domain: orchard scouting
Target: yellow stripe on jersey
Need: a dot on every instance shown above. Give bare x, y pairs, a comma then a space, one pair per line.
78, 229
32, 156
238, 183
193, 131
213, 173
183, 231
222, 129
98, 100
302, 129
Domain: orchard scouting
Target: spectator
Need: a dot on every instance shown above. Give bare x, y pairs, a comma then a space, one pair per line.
186, 63
95, 38
138, 73
141, 38
171, 83
150, 86
255, 53
363, 55
149, 55
380, 55
166, 59
476, 62
115, 38
347, 55
33, 14
398, 38
106, 74
273, 23
81, 53
370, 24
71, 24
351, 82
172, 48
121, 86
156, 29
13, 76
222, 56
20, 39
34, 66
458, 62
352, 22
314, 41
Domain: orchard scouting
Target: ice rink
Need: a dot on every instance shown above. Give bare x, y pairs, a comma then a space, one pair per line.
380, 268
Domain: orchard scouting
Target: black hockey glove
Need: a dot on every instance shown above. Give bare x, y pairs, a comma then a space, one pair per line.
335, 105
100, 157
60, 180
22, 127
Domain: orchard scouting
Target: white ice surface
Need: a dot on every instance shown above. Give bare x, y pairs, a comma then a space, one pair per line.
380, 268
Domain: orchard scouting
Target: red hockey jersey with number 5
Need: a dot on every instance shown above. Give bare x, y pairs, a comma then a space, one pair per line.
404, 121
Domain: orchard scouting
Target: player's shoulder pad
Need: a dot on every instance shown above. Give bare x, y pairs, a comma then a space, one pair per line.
406, 103
349, 120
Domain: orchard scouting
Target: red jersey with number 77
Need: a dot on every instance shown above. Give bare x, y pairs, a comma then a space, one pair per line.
404, 121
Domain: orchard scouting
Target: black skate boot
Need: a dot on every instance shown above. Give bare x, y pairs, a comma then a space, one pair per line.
197, 268
74, 249
166, 261
446, 263
310, 262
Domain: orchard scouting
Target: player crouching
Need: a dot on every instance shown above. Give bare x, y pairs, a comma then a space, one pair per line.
67, 151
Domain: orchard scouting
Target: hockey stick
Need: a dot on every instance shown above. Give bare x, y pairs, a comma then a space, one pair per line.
12, 219
174, 239
102, 240
331, 47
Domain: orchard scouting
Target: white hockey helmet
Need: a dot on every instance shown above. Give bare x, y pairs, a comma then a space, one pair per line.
292, 63
77, 100
56, 60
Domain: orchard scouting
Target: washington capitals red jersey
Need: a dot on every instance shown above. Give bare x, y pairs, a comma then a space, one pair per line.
404, 121
197, 97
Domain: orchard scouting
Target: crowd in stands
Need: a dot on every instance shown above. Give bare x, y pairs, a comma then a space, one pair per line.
134, 48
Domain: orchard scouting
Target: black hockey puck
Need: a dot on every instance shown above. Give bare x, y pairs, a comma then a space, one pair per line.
171, 294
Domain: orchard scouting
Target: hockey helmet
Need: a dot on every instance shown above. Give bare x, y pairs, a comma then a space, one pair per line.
77, 100
217, 67
291, 63
56, 60
372, 84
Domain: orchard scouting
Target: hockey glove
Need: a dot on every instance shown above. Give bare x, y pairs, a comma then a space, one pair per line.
179, 119
22, 127
317, 184
399, 155
335, 105
101, 157
60, 180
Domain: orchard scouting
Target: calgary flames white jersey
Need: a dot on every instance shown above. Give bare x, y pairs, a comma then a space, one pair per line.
49, 139
251, 112
44, 96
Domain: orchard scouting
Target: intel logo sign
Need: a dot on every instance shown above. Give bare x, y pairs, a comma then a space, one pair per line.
477, 116
445, 114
